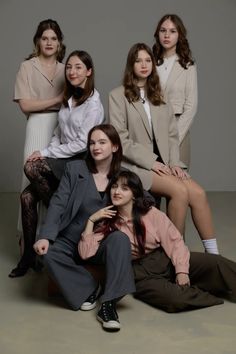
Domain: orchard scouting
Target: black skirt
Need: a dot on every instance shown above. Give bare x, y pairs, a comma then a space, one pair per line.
58, 165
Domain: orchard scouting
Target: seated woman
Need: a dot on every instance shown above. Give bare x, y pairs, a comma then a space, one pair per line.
81, 193
167, 275
149, 136
81, 110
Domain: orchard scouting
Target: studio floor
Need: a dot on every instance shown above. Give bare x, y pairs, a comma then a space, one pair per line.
33, 323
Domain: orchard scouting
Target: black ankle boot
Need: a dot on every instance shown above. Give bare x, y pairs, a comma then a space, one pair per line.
23, 266
108, 316
20, 270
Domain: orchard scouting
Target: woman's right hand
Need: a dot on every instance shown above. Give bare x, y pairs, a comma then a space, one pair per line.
104, 213
161, 169
41, 246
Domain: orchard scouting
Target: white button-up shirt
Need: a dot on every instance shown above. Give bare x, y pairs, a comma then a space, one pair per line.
74, 123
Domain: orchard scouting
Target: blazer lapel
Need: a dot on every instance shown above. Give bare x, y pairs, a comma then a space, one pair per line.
78, 194
174, 74
140, 109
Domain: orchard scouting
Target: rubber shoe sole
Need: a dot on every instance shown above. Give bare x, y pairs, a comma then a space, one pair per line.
87, 306
110, 325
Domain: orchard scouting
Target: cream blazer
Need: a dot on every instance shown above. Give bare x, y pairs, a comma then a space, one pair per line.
182, 92
131, 122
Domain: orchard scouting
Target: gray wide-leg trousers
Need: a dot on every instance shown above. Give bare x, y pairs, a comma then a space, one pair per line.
77, 283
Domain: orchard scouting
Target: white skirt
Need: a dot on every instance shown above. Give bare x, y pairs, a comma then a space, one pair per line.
39, 131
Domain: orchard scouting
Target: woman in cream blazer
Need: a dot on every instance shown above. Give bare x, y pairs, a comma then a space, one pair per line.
149, 136
178, 76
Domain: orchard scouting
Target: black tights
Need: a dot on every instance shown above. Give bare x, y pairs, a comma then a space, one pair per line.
43, 183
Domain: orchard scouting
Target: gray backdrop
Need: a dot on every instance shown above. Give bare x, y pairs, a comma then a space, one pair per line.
107, 29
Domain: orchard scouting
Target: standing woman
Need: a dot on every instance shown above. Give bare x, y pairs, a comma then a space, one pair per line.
81, 110
149, 136
82, 191
39, 88
178, 76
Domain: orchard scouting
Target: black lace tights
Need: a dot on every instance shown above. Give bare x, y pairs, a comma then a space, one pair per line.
43, 183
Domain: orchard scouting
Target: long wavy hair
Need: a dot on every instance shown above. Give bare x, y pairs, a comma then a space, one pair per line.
89, 84
114, 138
182, 48
153, 88
141, 206
43, 26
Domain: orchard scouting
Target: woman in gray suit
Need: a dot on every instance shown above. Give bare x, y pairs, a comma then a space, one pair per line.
150, 140
81, 193
178, 76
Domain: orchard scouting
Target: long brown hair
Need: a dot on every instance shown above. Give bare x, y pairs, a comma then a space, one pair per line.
141, 205
114, 138
43, 26
153, 88
89, 84
182, 48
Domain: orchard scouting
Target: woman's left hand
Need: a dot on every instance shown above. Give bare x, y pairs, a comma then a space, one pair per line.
182, 279
179, 172
104, 213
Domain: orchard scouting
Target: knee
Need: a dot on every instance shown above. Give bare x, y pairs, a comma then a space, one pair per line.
199, 194
27, 198
119, 241
28, 168
180, 194
47, 258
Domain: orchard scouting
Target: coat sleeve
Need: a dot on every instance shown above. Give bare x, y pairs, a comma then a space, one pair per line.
190, 103
57, 207
174, 159
171, 241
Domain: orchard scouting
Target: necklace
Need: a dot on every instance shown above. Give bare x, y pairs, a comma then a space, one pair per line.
49, 69
142, 96
168, 61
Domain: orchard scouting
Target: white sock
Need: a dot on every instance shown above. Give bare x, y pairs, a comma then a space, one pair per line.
211, 246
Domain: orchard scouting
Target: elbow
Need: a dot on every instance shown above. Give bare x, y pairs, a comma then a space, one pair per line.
24, 107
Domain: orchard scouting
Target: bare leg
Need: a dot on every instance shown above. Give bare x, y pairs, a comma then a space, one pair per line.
200, 209
172, 188
184, 193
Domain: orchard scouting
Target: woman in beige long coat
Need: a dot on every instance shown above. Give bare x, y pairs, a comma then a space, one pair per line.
149, 135
178, 76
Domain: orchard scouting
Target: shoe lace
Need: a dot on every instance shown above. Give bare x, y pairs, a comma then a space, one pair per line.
109, 311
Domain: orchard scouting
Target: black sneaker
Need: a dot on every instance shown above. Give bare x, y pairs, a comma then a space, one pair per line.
91, 303
108, 316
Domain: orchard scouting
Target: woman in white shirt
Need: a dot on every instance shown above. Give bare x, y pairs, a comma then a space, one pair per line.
178, 76
82, 109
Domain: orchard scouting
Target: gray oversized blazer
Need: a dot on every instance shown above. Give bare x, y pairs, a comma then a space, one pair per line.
131, 122
75, 184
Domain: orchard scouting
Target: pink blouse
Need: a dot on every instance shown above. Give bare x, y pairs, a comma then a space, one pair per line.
160, 231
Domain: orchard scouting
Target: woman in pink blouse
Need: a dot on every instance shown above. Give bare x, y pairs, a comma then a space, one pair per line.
167, 275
